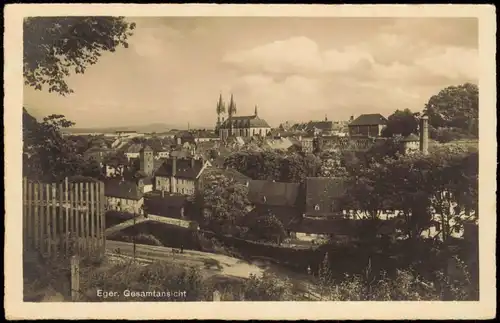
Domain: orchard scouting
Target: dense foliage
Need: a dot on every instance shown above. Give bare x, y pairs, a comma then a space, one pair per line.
48, 156
401, 122
56, 46
274, 165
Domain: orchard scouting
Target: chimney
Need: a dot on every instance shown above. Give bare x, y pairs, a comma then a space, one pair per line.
424, 134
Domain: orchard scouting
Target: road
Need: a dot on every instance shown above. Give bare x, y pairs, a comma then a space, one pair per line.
228, 266
149, 218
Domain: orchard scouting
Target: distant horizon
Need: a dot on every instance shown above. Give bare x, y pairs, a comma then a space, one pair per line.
292, 68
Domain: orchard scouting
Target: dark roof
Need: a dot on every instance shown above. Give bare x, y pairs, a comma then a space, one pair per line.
184, 168
154, 203
122, 189
323, 191
233, 174
369, 120
245, 122
322, 125
273, 193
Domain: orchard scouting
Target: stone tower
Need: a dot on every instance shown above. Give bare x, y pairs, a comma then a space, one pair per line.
146, 160
424, 134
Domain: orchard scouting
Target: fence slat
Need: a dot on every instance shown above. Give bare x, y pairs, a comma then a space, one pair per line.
80, 217
102, 217
60, 227
26, 201
87, 236
30, 215
92, 217
53, 222
67, 206
73, 218
36, 218
46, 220
98, 215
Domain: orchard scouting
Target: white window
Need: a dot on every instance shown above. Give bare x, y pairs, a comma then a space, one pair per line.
316, 207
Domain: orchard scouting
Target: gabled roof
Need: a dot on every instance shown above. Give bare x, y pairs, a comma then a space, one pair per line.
146, 148
184, 168
245, 122
369, 120
321, 125
122, 189
273, 193
323, 191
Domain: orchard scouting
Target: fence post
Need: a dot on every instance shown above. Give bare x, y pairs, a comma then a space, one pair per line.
75, 278
216, 296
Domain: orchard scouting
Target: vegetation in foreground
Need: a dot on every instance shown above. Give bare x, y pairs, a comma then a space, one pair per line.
43, 277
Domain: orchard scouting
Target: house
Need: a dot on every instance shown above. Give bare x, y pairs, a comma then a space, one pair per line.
285, 144
323, 195
319, 127
367, 125
244, 126
205, 135
307, 143
124, 196
133, 151
97, 153
285, 200
184, 137
179, 175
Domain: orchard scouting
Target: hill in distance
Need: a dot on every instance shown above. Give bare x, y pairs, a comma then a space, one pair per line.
148, 128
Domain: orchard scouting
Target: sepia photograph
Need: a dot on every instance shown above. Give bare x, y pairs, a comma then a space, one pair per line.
251, 158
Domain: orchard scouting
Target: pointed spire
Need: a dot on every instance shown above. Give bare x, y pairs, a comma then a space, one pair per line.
255, 113
326, 118
221, 107
232, 107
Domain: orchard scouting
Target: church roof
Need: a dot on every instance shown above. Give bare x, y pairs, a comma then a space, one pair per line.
245, 122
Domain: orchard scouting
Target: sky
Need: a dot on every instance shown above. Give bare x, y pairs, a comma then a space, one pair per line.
293, 69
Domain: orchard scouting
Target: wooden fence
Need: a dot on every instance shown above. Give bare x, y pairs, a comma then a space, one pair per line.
64, 219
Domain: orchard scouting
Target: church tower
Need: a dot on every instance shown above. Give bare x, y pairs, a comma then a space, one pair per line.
146, 160
255, 113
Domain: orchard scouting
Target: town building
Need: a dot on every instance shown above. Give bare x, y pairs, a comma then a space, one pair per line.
244, 126
179, 175
133, 151
323, 196
124, 196
409, 144
367, 125
183, 137
284, 200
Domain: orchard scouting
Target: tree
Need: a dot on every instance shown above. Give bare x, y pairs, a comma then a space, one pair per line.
274, 165
402, 122
267, 227
223, 202
455, 107
47, 155
55, 46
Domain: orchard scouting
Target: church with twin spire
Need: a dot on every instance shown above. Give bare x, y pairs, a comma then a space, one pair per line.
239, 126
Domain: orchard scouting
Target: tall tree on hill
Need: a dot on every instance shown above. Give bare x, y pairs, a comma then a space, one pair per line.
56, 46
402, 122
455, 107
